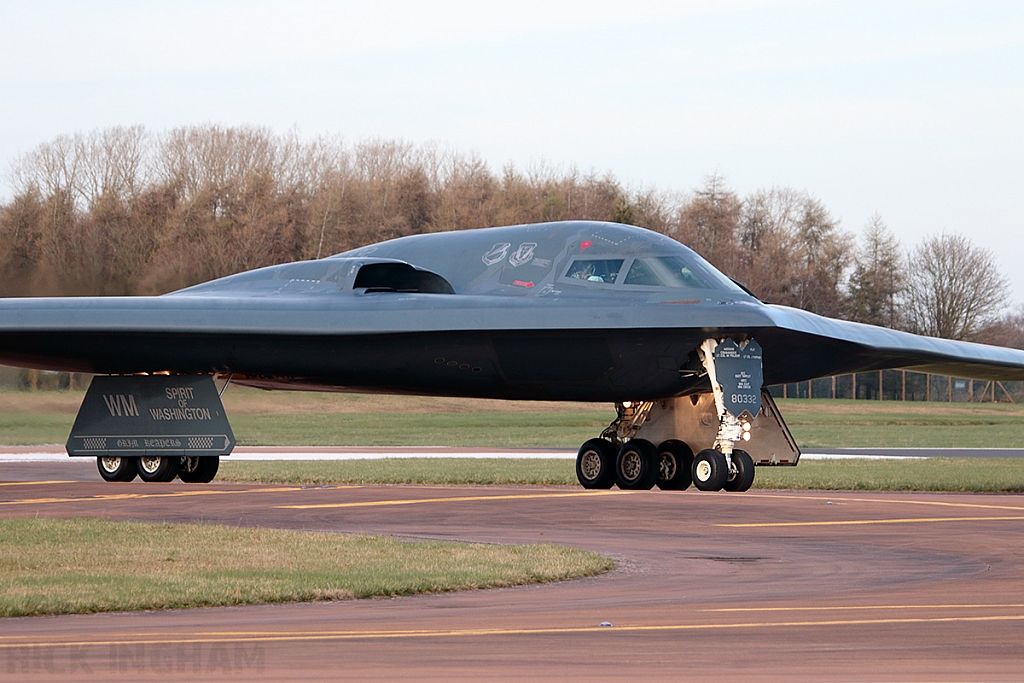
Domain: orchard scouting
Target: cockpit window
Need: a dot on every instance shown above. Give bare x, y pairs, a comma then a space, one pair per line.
666, 271
669, 271
594, 270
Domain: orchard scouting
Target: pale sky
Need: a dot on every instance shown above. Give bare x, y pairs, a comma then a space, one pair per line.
911, 109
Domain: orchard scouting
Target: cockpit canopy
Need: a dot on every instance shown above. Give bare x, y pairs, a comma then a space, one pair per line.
581, 258
584, 257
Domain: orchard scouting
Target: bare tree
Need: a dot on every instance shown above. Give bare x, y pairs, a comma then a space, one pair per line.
827, 252
21, 226
878, 277
953, 287
121, 210
771, 252
708, 223
1007, 330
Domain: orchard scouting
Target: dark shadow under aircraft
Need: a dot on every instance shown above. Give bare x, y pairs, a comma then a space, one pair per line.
567, 311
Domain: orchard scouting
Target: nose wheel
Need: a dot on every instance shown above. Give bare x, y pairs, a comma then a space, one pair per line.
710, 470
743, 477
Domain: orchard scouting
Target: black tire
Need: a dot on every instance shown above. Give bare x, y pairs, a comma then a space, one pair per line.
710, 470
675, 463
115, 468
158, 468
637, 466
199, 470
595, 464
744, 472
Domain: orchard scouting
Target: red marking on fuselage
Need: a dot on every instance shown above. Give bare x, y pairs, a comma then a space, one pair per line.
520, 283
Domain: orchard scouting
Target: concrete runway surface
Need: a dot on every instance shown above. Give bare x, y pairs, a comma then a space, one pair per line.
709, 586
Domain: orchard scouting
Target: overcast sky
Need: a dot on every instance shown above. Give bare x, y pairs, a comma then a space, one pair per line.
911, 109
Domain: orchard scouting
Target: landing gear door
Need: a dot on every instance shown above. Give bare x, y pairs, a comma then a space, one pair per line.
738, 370
164, 415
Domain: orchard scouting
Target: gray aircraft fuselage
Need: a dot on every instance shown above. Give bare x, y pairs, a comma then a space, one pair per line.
576, 310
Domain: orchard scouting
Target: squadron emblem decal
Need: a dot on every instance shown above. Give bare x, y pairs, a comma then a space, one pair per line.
522, 255
496, 254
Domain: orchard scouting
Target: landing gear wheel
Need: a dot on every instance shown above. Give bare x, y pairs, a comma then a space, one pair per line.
744, 472
710, 470
676, 462
158, 467
595, 464
637, 466
198, 470
115, 468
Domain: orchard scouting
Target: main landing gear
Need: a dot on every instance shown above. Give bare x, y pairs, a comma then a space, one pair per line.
621, 456
639, 465
636, 466
159, 468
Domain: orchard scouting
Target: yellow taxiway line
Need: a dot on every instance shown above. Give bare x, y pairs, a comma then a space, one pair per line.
34, 483
286, 636
104, 497
455, 499
864, 522
842, 608
936, 503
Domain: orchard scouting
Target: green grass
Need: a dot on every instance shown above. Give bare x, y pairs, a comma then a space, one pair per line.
31, 429
262, 418
932, 474
823, 423
58, 566
488, 430
508, 471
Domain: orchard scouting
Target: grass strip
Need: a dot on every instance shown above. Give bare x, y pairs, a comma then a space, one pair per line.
565, 429
282, 418
932, 474
556, 429
988, 475
506, 471
68, 566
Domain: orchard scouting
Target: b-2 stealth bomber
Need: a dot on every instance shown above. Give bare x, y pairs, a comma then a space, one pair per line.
565, 311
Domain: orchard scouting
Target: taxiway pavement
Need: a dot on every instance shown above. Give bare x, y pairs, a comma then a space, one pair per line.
708, 586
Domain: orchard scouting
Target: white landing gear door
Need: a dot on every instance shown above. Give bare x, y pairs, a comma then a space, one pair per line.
736, 379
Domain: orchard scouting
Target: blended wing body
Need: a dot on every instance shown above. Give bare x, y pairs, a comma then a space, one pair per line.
565, 311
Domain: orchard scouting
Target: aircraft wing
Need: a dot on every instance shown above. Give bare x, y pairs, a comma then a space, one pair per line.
877, 348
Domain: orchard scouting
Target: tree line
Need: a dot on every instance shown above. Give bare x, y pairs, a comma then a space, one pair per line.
124, 210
